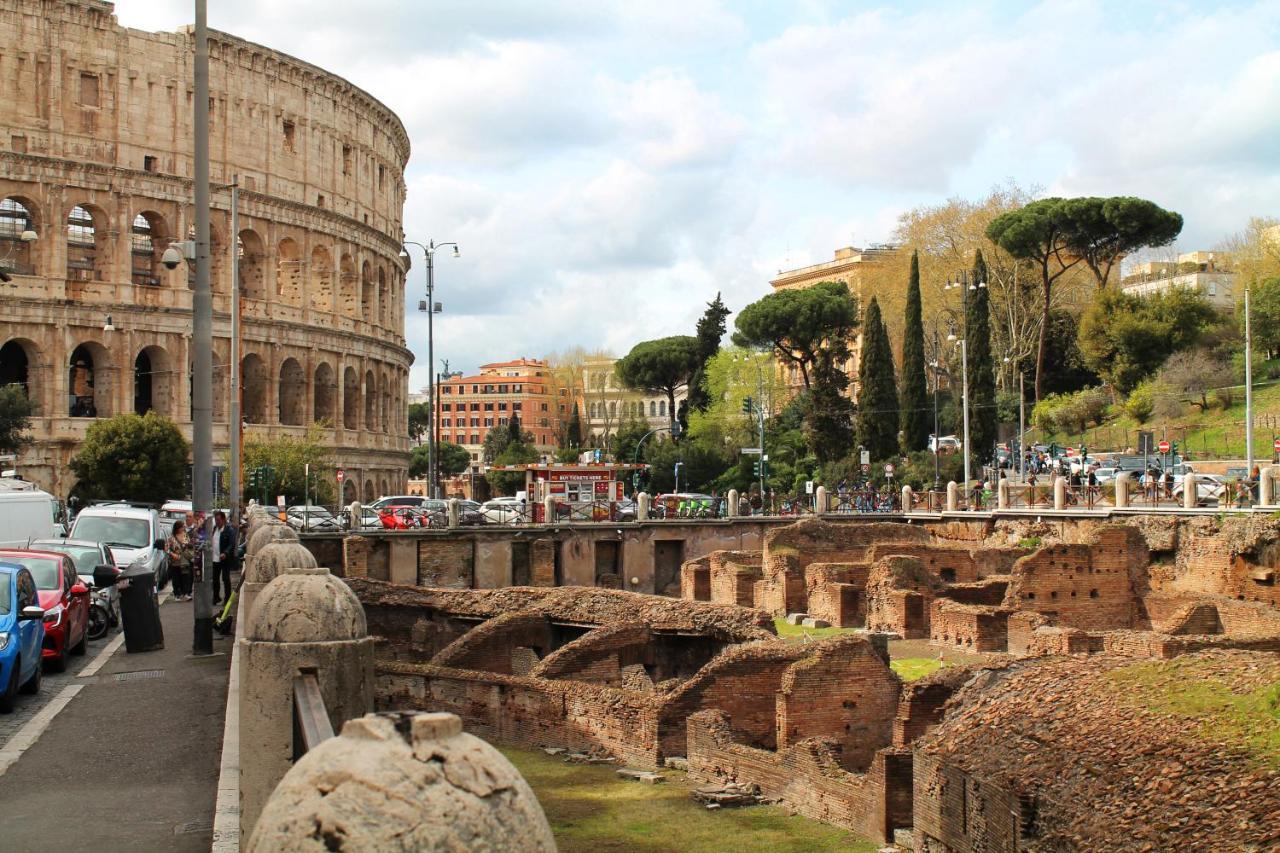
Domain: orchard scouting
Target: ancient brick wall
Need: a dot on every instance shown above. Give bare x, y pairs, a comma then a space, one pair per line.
970, 627
1020, 626
490, 646
841, 692
900, 593
446, 563
954, 812
695, 579
597, 656
922, 703
1244, 618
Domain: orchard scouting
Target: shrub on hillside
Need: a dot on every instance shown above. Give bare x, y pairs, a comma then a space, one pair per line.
1071, 413
1142, 401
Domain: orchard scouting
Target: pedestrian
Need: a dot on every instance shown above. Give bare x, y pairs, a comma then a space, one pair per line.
181, 554
744, 505
1168, 484
224, 555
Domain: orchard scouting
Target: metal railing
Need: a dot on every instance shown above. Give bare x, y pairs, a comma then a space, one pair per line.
311, 725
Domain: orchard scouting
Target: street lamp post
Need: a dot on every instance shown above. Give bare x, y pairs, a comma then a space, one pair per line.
962, 282
759, 411
1248, 392
429, 251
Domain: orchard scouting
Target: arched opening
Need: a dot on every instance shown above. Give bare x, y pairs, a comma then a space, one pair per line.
368, 294
370, 402
152, 382
384, 398
382, 297
252, 263
348, 492
293, 392
348, 285
16, 360
324, 395
87, 246
89, 382
351, 399
370, 493
386, 486
17, 255
253, 380
321, 290
148, 238
289, 273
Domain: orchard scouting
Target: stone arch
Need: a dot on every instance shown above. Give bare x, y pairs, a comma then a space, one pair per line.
149, 236
370, 402
348, 492
350, 399
289, 272
18, 358
386, 486
370, 494
384, 400
153, 381
253, 264
382, 296
324, 395
254, 391
293, 392
18, 214
368, 293
88, 246
90, 386
348, 287
321, 289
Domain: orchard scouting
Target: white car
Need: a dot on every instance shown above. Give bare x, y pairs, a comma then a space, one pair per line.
1209, 487
505, 511
944, 444
1104, 475
133, 532
314, 519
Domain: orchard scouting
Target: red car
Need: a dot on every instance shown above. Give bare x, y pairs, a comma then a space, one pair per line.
65, 601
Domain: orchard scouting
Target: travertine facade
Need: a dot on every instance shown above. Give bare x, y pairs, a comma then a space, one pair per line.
95, 157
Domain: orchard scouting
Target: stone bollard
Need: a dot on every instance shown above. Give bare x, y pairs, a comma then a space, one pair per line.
731, 505
268, 564
953, 496
1189, 496
1002, 493
402, 781
1266, 486
271, 531
642, 506
455, 513
1122, 490
355, 512
549, 510
1059, 492
820, 504
304, 619
908, 496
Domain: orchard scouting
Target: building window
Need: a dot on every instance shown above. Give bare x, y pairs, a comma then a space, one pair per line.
475, 422
488, 407
544, 407
488, 422
320, 201
346, 159
515, 407
445, 407
475, 439
149, 163
517, 388
613, 409
446, 422
503, 421
662, 408
288, 129
446, 390
475, 407
475, 389
89, 92
502, 407
382, 174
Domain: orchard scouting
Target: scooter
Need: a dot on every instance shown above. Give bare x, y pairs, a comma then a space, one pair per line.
104, 610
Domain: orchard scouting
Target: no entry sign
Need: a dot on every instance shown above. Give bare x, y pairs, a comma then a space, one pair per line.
1163, 446
342, 475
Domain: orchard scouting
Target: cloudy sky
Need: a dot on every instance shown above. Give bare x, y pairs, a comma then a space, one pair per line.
608, 165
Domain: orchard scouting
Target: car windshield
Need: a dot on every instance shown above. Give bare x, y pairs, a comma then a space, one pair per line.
120, 532
85, 557
43, 569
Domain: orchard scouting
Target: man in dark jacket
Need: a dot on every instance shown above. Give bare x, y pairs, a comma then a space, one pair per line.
224, 554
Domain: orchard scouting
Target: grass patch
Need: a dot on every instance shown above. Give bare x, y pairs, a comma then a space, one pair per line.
797, 633
592, 811
909, 669
1029, 542
1250, 721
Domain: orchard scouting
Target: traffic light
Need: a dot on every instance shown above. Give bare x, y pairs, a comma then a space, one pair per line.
1173, 447
755, 468
746, 405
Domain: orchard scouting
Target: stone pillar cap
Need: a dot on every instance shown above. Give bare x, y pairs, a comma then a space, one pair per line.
275, 559
306, 605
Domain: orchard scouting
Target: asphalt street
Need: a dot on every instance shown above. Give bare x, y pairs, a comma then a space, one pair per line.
130, 758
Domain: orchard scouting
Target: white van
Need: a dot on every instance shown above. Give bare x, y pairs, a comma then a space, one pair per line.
26, 512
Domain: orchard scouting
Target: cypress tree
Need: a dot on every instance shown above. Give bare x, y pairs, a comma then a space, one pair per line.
983, 417
915, 388
877, 420
573, 437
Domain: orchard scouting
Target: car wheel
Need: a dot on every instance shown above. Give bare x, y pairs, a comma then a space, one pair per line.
10, 693
32, 686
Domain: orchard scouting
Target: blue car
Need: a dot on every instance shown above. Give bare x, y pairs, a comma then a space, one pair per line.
21, 634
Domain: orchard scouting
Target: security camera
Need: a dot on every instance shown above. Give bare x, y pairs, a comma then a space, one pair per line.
171, 258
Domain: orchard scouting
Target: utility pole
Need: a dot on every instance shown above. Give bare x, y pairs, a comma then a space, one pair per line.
1022, 427
1248, 391
431, 377
964, 372
202, 342
235, 423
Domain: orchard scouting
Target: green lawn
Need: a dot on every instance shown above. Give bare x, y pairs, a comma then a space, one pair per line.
909, 669
796, 633
591, 810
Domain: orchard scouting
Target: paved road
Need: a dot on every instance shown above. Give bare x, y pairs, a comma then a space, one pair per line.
130, 759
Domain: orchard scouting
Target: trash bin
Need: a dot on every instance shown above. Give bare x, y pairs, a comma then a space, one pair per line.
139, 610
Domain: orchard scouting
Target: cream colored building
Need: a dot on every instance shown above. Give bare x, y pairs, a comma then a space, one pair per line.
607, 405
95, 157
1192, 271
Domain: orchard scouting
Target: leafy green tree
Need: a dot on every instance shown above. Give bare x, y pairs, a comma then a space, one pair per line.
627, 439
1125, 338
710, 330
663, 366
515, 453
1038, 233
916, 414
1065, 369
877, 421
1264, 311
15, 418
454, 459
983, 417
573, 434
496, 440
1101, 231
828, 413
800, 324
419, 421
700, 465
289, 458
133, 458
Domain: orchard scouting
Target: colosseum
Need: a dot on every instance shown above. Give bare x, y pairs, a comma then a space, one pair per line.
96, 181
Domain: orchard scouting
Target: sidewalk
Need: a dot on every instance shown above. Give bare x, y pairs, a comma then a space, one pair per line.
131, 762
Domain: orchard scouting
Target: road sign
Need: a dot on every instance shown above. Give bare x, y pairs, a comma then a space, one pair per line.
808, 487
866, 467
1163, 446
342, 475
866, 457
753, 450
1276, 445
1146, 442
888, 469
280, 501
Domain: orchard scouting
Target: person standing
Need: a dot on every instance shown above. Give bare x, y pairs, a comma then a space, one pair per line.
181, 553
224, 555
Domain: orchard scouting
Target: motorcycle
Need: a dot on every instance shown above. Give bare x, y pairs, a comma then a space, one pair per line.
104, 610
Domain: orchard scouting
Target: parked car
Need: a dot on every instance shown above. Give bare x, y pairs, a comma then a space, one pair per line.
368, 519
1209, 487
397, 500
505, 511
132, 532
469, 513
104, 610
1104, 475
411, 517
626, 510
21, 634
64, 598
26, 512
314, 519
944, 444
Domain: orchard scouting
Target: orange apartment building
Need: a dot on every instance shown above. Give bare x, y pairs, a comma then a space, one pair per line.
468, 407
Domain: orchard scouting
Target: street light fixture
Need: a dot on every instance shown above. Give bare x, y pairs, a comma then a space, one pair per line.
962, 282
432, 307
759, 407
